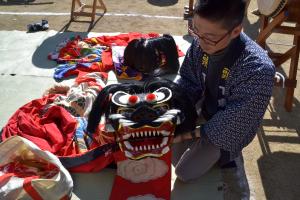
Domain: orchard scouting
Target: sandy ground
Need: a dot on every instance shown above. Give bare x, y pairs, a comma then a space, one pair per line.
272, 160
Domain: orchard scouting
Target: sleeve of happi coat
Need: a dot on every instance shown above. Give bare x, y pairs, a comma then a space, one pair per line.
190, 74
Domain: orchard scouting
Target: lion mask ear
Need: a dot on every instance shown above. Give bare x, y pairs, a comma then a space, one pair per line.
100, 106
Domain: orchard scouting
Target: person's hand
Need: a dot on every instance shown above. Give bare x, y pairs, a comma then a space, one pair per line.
187, 136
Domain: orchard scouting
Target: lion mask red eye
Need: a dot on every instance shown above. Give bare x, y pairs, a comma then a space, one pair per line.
133, 99
151, 98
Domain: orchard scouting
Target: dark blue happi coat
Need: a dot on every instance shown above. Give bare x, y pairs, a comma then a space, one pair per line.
245, 88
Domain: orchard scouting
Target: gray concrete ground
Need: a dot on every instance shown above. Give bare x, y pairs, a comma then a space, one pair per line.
26, 76
272, 160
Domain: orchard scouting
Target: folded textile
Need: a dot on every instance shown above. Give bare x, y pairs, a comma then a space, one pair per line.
51, 129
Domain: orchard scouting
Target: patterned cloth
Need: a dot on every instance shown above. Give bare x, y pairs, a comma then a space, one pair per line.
96, 54
93, 54
247, 91
79, 99
51, 129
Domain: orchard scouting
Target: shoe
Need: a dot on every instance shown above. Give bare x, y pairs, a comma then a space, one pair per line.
38, 26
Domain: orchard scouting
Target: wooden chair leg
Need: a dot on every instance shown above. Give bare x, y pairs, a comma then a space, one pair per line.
80, 11
188, 10
263, 24
102, 5
79, 3
274, 26
267, 31
72, 9
94, 10
284, 56
292, 74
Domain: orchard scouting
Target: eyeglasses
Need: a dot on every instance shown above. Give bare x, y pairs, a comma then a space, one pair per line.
209, 41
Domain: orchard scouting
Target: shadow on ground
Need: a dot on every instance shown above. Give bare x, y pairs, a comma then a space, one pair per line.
22, 2
280, 118
50, 44
280, 175
162, 3
188, 38
279, 170
83, 20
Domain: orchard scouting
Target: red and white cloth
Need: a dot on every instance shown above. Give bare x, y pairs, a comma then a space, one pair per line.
27, 172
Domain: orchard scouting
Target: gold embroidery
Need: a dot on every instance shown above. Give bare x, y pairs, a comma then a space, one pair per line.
225, 73
205, 60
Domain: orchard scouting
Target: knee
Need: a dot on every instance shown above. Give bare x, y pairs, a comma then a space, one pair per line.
188, 175
183, 176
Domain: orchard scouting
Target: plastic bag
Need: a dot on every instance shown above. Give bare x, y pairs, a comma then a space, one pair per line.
27, 172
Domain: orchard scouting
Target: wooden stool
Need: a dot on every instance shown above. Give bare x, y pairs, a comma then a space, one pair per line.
188, 13
291, 13
188, 10
80, 11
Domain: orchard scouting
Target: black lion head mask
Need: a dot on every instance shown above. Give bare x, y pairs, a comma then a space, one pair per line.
144, 118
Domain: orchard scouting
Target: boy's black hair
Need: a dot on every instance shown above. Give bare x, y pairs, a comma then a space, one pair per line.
229, 13
153, 55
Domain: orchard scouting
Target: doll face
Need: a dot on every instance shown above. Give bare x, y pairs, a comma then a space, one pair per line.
144, 123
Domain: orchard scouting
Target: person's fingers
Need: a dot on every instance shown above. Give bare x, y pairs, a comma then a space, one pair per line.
177, 139
182, 137
186, 136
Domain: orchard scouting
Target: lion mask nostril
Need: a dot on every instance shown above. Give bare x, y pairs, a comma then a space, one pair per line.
144, 114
